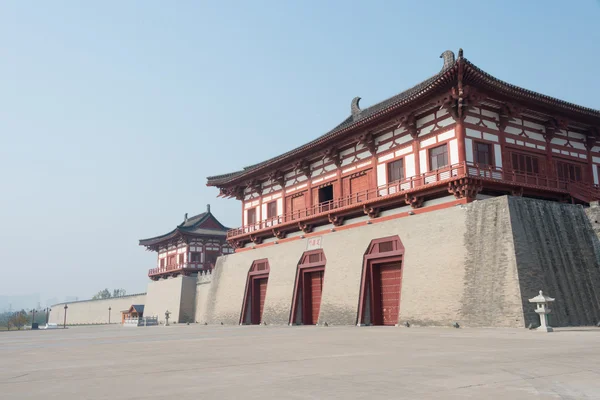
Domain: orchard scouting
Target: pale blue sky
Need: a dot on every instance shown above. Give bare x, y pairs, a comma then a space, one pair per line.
113, 113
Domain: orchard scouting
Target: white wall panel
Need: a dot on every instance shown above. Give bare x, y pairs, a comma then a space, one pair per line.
280, 206
446, 135
381, 175
423, 160
490, 137
498, 155
404, 139
595, 172
425, 119
473, 133
469, 149
453, 151
428, 142
409, 165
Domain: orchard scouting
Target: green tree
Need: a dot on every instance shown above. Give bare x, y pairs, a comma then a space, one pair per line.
19, 319
106, 294
103, 294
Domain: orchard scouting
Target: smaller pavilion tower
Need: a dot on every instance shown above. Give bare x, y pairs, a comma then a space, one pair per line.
192, 246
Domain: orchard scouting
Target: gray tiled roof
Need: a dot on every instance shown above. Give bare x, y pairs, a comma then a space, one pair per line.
476, 75
191, 226
351, 120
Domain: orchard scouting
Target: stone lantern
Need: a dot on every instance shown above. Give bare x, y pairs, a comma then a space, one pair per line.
541, 308
167, 314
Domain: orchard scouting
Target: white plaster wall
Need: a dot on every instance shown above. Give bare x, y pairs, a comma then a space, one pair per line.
94, 311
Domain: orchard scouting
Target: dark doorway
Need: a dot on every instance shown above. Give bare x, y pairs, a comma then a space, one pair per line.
325, 197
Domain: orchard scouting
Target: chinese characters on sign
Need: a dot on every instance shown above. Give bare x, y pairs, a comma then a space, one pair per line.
314, 243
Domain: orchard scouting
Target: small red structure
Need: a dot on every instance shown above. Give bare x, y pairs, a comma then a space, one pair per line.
135, 312
192, 246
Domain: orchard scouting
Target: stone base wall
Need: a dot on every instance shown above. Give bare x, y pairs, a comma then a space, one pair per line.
94, 311
475, 264
557, 251
177, 295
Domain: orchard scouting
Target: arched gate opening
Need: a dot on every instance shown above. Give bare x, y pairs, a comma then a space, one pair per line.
306, 302
379, 301
256, 292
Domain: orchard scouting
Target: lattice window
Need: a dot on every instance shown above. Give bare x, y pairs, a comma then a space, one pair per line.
386, 246
314, 258
260, 265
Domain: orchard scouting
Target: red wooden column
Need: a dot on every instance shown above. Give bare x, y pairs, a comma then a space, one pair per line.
416, 151
589, 144
550, 132
460, 138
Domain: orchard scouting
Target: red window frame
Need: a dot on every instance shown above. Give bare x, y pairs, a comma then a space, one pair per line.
482, 153
440, 158
525, 163
272, 209
251, 213
568, 171
395, 170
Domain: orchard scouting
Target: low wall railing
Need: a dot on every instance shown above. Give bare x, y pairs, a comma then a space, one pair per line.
414, 184
142, 321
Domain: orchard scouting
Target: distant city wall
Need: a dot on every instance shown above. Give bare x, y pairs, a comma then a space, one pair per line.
94, 311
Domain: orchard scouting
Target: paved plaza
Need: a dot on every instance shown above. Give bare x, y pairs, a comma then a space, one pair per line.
264, 362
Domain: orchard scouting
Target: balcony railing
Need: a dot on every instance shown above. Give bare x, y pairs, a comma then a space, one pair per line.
421, 182
179, 267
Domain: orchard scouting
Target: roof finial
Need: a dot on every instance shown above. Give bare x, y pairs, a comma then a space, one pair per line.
460, 53
208, 208
185, 217
354, 107
448, 57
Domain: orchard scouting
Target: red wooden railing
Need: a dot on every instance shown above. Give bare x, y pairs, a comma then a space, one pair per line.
579, 190
179, 267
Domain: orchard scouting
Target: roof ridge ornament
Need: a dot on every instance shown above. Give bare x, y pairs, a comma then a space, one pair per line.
449, 59
354, 107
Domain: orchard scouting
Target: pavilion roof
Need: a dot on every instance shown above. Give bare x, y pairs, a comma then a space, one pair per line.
191, 227
448, 74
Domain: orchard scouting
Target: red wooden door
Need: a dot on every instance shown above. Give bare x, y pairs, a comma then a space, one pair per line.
259, 291
358, 187
316, 288
313, 287
390, 281
298, 206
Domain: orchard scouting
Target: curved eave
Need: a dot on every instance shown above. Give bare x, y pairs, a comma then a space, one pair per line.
181, 232
341, 130
482, 78
158, 239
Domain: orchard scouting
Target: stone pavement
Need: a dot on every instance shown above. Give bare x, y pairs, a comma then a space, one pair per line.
258, 362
